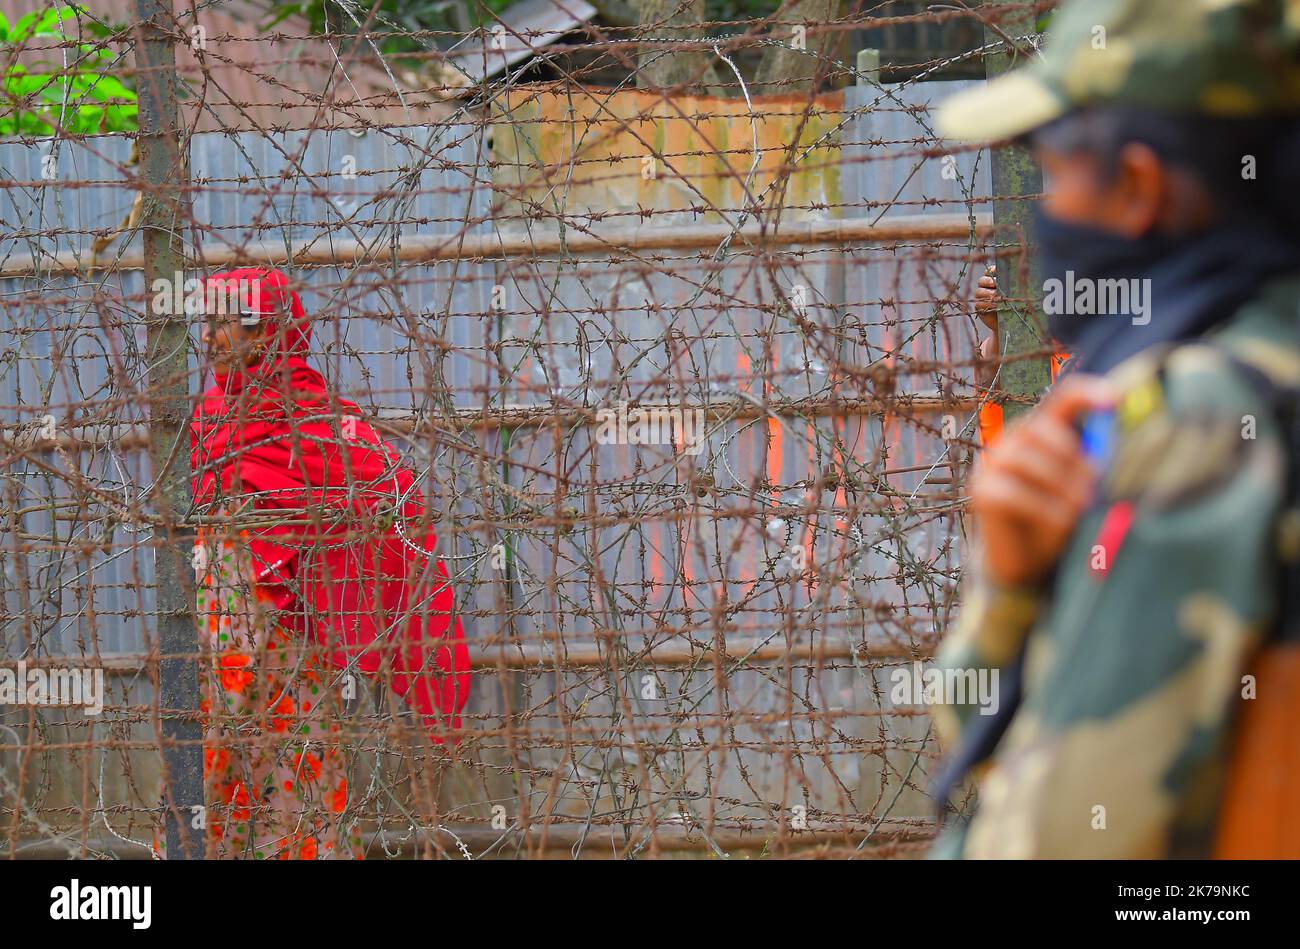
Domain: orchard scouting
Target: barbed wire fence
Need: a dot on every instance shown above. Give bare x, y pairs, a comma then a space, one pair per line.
673, 322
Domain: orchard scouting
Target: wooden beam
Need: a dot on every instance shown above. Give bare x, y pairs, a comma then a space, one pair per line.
619, 243
675, 652
87, 435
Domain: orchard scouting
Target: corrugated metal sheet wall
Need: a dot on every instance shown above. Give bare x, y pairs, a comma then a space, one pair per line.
657, 572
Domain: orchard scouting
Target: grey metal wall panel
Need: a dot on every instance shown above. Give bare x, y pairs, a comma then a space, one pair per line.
585, 333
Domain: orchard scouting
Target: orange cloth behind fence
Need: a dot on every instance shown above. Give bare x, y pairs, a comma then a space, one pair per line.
991, 413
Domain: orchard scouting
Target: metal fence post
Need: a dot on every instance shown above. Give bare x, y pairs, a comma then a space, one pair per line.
164, 182
1017, 180
868, 67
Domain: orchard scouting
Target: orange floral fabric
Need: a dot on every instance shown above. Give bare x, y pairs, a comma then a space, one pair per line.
276, 779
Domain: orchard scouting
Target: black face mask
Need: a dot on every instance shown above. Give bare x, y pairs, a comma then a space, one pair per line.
1196, 282
1092, 254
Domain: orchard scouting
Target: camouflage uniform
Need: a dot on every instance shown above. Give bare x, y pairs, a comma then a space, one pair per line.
1215, 57
1134, 651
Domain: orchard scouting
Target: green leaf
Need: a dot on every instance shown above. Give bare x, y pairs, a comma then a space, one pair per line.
121, 118
90, 53
108, 88
102, 30
31, 124
279, 14
26, 85
52, 19
87, 119
57, 94
22, 29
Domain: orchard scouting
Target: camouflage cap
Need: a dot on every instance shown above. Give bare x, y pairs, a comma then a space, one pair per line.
1225, 58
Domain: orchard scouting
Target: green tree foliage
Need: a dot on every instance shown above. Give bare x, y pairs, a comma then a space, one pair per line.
393, 20
60, 83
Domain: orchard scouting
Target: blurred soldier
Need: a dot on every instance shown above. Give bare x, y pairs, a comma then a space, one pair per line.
1133, 530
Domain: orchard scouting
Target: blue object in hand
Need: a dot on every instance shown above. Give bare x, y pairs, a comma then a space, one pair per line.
1098, 435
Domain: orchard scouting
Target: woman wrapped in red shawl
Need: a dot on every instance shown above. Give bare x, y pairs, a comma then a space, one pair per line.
334, 575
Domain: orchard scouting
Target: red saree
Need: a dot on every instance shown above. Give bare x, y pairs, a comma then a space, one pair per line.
360, 562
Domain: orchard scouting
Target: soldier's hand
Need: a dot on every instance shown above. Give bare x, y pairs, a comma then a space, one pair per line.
987, 299
1029, 488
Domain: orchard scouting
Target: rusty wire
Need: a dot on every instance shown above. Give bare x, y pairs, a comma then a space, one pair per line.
671, 651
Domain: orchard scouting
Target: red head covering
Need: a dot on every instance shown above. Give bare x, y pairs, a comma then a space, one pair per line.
369, 587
